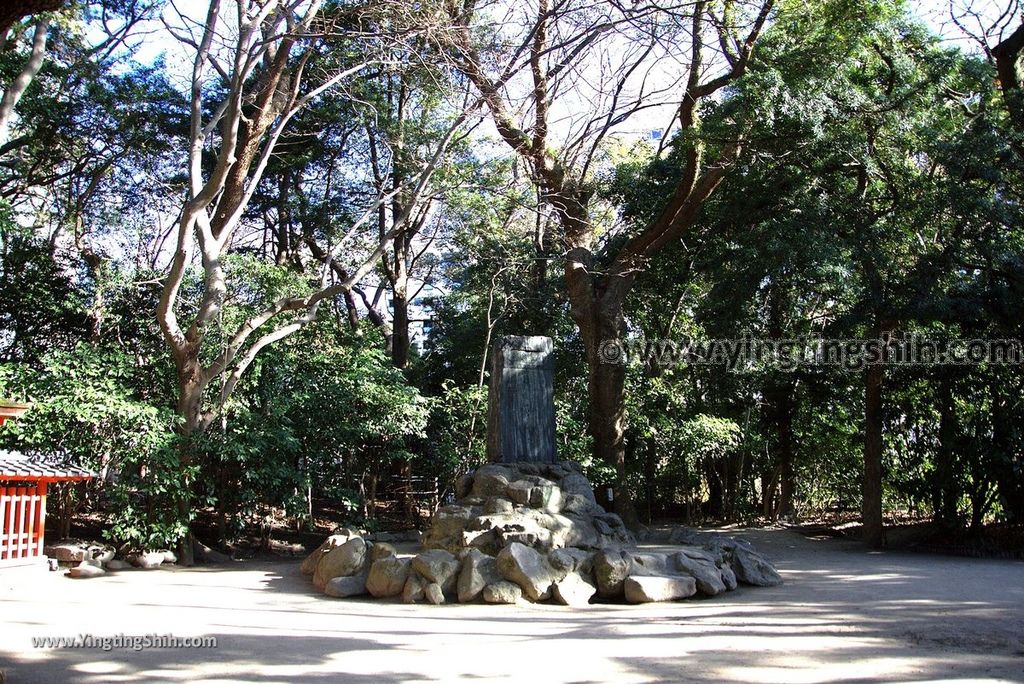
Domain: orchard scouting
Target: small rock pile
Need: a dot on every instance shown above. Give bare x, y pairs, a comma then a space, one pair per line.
94, 560
531, 531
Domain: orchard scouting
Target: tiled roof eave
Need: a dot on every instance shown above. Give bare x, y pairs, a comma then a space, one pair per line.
21, 470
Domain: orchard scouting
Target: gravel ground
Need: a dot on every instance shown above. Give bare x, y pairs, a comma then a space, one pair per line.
843, 614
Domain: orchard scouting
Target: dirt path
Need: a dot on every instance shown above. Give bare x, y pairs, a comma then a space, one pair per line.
843, 614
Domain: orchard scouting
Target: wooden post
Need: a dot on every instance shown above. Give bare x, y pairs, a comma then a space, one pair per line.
3, 521
41, 517
31, 501
20, 527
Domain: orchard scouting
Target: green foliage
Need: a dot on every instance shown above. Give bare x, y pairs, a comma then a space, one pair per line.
317, 414
457, 431
878, 186
85, 412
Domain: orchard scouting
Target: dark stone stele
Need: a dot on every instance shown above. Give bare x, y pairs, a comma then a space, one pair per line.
521, 401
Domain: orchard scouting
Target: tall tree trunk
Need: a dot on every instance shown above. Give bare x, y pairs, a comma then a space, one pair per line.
946, 492
780, 397
284, 222
596, 306
1007, 56
606, 425
351, 310
400, 328
873, 531
190, 396
12, 95
784, 433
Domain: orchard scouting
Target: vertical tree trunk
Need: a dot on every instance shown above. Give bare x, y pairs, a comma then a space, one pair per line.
284, 228
596, 306
351, 311
784, 433
780, 399
946, 493
400, 329
1010, 461
873, 531
190, 395
606, 425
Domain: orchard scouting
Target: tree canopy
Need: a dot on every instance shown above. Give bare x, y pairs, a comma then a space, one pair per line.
253, 257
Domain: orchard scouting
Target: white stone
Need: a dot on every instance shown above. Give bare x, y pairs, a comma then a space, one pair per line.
84, 570
101, 554
433, 593
478, 570
651, 588
573, 590
527, 568
148, 560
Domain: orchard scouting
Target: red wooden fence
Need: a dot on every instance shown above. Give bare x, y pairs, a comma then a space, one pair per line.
23, 513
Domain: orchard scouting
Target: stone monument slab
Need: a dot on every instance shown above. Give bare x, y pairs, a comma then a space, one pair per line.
521, 401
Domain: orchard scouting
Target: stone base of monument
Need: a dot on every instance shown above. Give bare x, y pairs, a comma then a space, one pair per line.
532, 531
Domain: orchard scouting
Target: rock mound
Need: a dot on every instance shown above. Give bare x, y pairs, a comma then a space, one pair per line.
543, 506
535, 532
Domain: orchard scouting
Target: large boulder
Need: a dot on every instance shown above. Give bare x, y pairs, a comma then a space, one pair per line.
68, 552
572, 560
649, 564
728, 577
530, 570
702, 569
652, 588
147, 560
573, 590
308, 566
343, 587
433, 593
85, 570
377, 550
753, 568
491, 480
736, 558
438, 566
448, 525
519, 492
575, 484
611, 568
495, 505
388, 576
341, 561
547, 497
478, 570
502, 592
413, 590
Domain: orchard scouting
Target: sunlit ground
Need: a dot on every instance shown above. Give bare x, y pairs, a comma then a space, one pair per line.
842, 615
